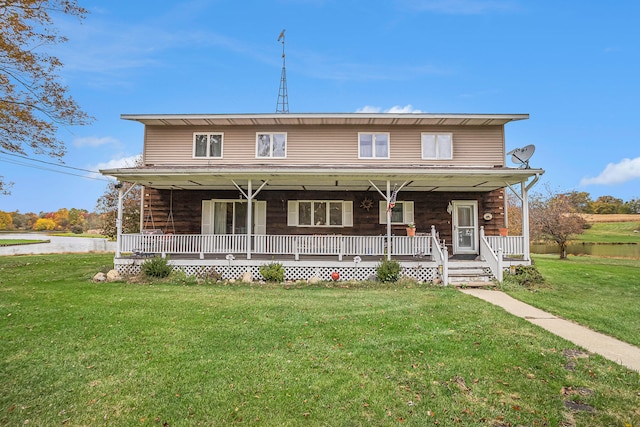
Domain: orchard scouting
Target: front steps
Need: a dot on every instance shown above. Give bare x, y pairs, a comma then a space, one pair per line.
470, 274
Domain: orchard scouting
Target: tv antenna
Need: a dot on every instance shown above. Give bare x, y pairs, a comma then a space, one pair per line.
282, 105
522, 155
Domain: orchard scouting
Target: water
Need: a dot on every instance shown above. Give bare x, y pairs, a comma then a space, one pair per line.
621, 250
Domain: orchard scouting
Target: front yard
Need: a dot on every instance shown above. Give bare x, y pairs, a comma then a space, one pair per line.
77, 353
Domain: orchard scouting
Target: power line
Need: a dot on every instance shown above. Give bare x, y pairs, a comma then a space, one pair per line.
15, 162
48, 163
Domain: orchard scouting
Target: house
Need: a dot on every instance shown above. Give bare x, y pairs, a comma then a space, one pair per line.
326, 192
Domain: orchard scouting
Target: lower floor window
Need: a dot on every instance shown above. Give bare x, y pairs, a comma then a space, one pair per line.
320, 213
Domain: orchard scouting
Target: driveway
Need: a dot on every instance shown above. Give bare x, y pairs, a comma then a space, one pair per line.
57, 244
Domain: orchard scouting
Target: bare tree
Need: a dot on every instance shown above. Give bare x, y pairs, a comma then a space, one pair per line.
552, 217
107, 208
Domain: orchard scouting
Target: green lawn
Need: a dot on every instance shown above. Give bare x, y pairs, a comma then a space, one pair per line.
611, 232
602, 293
11, 242
77, 353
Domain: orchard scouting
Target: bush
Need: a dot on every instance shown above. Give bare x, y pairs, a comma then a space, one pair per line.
77, 229
273, 272
526, 276
388, 271
156, 267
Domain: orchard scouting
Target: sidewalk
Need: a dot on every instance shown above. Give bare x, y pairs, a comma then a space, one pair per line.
595, 342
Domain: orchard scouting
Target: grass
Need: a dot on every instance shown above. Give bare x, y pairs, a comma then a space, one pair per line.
12, 242
602, 293
77, 353
611, 232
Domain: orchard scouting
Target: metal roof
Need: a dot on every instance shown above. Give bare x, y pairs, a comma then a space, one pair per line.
386, 119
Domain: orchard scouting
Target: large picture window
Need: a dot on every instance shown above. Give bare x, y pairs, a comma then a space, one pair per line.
373, 145
320, 213
437, 146
207, 145
271, 145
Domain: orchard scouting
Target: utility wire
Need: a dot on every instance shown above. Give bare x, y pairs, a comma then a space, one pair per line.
45, 162
15, 162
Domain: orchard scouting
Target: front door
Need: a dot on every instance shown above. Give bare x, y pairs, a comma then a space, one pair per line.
465, 227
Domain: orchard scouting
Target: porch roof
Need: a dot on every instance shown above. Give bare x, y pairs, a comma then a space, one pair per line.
386, 119
326, 177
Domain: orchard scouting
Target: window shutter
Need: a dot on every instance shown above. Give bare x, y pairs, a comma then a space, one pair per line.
347, 214
292, 215
408, 212
207, 206
383, 211
260, 220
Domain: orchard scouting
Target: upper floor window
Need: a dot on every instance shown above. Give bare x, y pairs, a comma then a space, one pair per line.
373, 145
271, 145
437, 146
207, 144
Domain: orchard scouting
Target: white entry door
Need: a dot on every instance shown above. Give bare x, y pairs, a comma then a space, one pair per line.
465, 226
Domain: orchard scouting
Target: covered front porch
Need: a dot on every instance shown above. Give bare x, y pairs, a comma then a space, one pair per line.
466, 206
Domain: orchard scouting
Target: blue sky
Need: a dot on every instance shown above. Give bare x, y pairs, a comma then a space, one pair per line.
572, 65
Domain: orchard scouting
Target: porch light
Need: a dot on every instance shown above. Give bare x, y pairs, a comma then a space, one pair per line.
449, 208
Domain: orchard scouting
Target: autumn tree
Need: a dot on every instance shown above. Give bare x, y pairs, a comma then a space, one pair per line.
107, 208
33, 102
580, 201
552, 217
6, 221
606, 205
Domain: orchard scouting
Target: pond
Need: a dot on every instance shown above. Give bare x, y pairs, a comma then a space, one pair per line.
616, 250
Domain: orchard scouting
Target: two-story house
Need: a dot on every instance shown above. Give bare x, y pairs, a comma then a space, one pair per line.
326, 192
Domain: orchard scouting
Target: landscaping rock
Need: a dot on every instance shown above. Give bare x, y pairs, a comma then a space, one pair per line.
247, 277
100, 277
314, 280
113, 275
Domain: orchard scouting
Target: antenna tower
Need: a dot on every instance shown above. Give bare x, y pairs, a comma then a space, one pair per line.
283, 96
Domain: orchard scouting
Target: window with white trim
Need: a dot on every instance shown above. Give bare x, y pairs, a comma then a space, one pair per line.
437, 146
373, 145
320, 213
271, 145
402, 212
207, 144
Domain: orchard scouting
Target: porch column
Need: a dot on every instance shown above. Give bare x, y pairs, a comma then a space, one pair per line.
525, 221
388, 220
249, 216
119, 221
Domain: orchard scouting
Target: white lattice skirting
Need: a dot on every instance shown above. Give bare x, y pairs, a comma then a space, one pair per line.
423, 272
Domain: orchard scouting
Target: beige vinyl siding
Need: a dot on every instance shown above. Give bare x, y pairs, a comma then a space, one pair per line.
480, 146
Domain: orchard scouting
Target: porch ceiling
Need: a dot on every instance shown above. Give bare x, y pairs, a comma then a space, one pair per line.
327, 178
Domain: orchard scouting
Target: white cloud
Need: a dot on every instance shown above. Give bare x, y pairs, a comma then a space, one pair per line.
616, 173
94, 141
122, 162
396, 109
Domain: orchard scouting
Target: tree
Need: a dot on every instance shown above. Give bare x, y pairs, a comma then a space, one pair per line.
631, 207
552, 217
606, 205
580, 201
44, 224
6, 221
33, 103
107, 208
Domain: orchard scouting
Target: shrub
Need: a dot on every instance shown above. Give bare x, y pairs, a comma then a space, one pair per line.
76, 229
526, 276
156, 267
388, 271
273, 272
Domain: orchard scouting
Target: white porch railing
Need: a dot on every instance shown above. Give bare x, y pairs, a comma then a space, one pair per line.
295, 245
510, 245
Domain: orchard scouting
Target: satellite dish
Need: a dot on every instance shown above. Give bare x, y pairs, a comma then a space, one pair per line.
522, 155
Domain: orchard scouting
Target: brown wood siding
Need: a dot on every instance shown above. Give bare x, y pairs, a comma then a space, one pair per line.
480, 146
429, 209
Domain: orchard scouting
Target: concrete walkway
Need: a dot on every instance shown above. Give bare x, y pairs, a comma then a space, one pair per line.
595, 342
